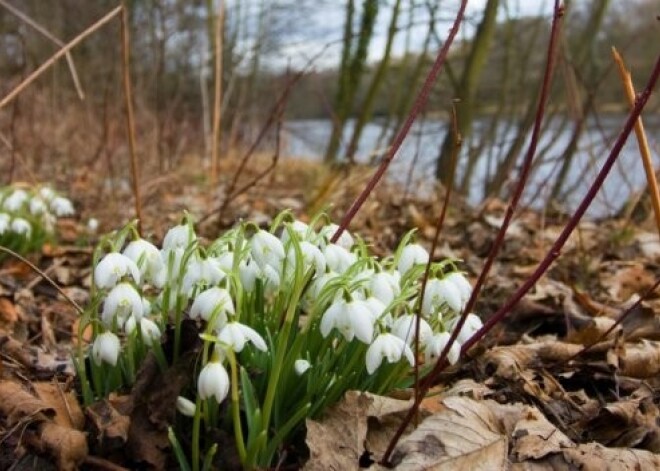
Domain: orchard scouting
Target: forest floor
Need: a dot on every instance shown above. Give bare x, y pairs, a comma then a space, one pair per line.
527, 398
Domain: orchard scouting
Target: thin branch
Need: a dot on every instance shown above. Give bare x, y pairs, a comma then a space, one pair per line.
420, 102
44, 276
217, 97
58, 55
130, 119
643, 143
36, 26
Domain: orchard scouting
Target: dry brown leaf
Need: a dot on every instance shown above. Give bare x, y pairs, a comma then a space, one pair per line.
596, 457
68, 412
9, 315
628, 281
109, 424
534, 437
641, 360
362, 423
466, 435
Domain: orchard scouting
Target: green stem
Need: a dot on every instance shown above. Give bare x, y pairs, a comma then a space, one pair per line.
236, 411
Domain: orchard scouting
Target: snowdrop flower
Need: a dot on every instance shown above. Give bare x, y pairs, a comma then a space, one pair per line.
236, 335
375, 306
301, 366
345, 240
47, 193
92, 225
463, 285
337, 258
106, 349
208, 301
299, 228
384, 286
149, 329
213, 381
62, 207
437, 344
147, 258
14, 201
387, 346
312, 257
180, 236
122, 302
267, 250
271, 279
351, 319
21, 226
185, 406
4, 222
37, 206
112, 268
472, 324
226, 261
202, 273
439, 293
248, 271
411, 255
405, 327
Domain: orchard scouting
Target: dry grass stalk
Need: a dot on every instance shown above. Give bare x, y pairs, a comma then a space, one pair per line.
44, 32
644, 150
58, 55
217, 97
130, 119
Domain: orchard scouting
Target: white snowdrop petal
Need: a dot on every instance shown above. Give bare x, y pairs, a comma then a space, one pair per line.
213, 381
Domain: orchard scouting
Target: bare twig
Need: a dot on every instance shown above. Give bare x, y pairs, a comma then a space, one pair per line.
217, 97
58, 55
44, 276
420, 101
556, 247
36, 26
130, 119
643, 143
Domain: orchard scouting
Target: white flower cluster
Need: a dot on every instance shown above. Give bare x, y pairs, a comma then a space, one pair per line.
26, 212
349, 296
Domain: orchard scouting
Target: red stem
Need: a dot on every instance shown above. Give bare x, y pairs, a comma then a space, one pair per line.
555, 250
420, 102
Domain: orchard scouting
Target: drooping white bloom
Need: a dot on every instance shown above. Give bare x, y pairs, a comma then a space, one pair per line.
47, 193
226, 261
390, 347
439, 293
21, 226
180, 237
301, 229
149, 329
248, 271
376, 307
301, 366
470, 327
147, 258
411, 255
405, 327
351, 319
185, 406
213, 381
14, 201
92, 225
384, 286
437, 343
112, 268
312, 258
172, 260
202, 273
236, 335
267, 250
106, 349
271, 279
4, 222
337, 258
210, 300
37, 206
345, 240
463, 285
62, 207
122, 302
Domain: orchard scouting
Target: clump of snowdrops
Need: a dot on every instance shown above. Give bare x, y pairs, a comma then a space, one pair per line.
28, 216
288, 322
